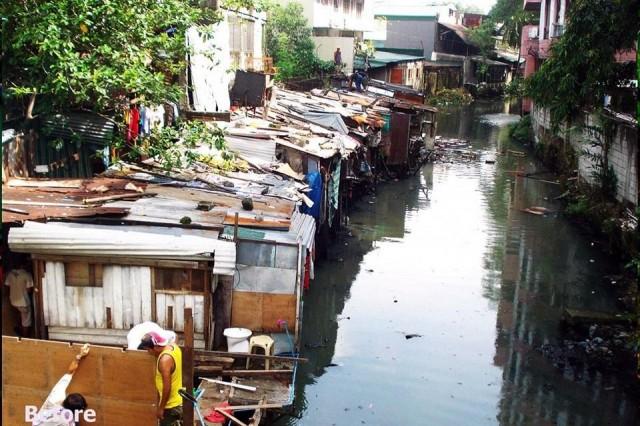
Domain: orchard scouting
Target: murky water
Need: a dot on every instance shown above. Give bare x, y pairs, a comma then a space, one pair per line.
449, 255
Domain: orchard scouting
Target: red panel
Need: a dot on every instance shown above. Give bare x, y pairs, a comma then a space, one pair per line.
399, 150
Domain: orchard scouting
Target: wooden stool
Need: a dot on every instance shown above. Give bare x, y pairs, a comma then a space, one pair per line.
264, 342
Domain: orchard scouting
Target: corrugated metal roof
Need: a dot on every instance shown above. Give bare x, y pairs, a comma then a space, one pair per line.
302, 230
61, 238
84, 127
260, 151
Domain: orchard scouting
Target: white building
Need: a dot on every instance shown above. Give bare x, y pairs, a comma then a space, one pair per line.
337, 24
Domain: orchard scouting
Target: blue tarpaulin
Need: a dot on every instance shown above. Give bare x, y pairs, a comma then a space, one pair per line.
314, 179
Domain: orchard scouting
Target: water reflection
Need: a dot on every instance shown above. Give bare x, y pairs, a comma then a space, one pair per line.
449, 254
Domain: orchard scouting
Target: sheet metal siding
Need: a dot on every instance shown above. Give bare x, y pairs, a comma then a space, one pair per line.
179, 302
262, 150
77, 137
120, 241
125, 289
261, 279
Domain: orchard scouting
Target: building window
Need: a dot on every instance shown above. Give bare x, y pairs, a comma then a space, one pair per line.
183, 280
82, 274
359, 4
336, 5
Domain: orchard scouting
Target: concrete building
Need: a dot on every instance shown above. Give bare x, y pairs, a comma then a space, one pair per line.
337, 24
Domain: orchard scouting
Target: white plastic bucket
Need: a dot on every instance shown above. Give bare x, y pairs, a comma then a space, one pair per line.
237, 339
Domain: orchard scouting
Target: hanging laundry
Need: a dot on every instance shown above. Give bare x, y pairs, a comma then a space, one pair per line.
134, 124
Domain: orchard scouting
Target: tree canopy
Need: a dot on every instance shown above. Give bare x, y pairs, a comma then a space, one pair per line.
94, 53
289, 42
582, 67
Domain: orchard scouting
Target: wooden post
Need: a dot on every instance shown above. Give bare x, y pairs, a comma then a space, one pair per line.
222, 301
187, 365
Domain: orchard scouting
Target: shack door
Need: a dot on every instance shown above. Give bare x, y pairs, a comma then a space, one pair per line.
396, 76
399, 149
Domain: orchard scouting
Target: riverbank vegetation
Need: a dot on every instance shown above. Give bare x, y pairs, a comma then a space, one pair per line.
450, 97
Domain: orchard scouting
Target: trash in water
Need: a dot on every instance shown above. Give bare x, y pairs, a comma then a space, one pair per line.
411, 336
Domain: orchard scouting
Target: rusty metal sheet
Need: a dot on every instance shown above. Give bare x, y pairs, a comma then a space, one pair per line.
38, 213
399, 149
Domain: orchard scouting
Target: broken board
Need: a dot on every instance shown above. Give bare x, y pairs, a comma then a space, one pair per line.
117, 384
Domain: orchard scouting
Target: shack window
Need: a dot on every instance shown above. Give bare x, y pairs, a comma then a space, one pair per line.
83, 274
172, 279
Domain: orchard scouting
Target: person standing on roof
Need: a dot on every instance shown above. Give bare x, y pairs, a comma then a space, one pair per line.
337, 59
20, 283
168, 375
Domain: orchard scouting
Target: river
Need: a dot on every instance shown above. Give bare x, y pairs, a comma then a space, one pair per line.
449, 255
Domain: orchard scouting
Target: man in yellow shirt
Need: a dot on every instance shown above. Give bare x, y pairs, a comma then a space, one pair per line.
168, 375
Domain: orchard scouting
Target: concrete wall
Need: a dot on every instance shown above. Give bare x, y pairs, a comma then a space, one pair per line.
411, 34
325, 46
351, 15
623, 154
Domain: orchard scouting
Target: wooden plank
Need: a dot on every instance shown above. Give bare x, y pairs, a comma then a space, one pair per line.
246, 310
200, 314
204, 370
250, 373
136, 295
187, 363
254, 222
206, 310
161, 310
128, 283
114, 260
201, 353
61, 304
117, 288
179, 312
117, 384
45, 183
201, 359
277, 307
147, 299
229, 416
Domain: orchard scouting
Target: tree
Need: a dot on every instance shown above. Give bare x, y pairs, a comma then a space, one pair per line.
511, 18
93, 54
582, 67
289, 42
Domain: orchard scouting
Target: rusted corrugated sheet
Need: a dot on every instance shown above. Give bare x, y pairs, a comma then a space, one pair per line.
35, 199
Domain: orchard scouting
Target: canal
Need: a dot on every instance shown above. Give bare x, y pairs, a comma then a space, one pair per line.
431, 309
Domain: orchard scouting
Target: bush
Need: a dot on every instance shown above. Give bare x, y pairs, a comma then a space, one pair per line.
522, 131
289, 42
577, 207
451, 97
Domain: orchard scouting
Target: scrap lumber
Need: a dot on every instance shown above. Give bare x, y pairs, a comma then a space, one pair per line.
247, 355
249, 373
229, 416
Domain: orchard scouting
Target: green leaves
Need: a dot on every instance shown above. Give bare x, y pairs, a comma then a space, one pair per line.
94, 53
582, 66
289, 42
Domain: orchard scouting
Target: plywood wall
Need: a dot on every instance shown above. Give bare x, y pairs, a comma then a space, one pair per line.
117, 384
125, 289
261, 311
